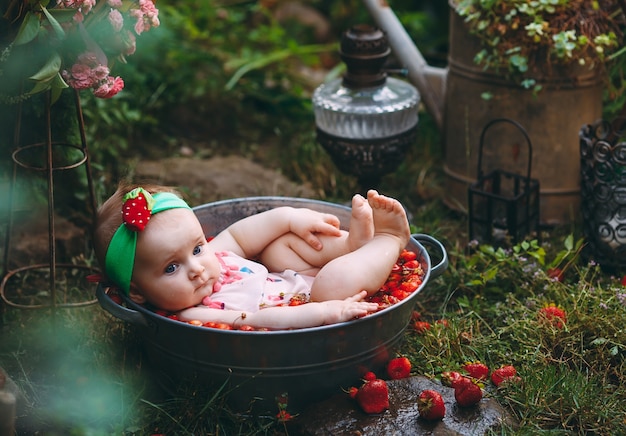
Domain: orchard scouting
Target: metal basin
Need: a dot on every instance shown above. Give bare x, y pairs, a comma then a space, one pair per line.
307, 364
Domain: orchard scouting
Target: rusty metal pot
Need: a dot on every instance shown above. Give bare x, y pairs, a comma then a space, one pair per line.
308, 364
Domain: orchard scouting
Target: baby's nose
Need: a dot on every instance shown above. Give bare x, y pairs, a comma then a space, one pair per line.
196, 268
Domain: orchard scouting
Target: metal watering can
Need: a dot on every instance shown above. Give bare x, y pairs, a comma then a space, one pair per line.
454, 98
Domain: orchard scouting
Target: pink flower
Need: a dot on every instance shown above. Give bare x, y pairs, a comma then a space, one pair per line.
83, 5
87, 72
116, 19
147, 16
115, 3
109, 88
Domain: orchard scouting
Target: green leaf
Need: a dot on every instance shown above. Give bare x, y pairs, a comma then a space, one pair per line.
569, 242
28, 30
49, 70
54, 23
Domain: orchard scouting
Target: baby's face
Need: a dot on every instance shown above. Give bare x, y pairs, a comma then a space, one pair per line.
174, 269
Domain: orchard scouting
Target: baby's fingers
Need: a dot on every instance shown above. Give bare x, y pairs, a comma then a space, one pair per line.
357, 297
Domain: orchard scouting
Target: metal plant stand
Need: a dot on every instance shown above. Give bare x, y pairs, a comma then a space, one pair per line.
48, 166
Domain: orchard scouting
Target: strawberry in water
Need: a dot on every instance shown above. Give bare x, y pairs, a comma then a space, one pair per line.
398, 368
430, 405
373, 396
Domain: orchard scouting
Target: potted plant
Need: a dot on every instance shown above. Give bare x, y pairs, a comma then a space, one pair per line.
528, 40
546, 64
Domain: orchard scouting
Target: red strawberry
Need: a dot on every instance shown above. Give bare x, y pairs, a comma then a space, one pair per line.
369, 376
136, 209
443, 322
398, 368
373, 396
352, 392
430, 405
467, 393
421, 326
450, 378
503, 374
553, 315
477, 370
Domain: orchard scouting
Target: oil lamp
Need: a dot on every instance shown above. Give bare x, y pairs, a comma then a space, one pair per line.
366, 121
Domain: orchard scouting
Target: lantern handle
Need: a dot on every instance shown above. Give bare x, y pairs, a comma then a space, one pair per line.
482, 140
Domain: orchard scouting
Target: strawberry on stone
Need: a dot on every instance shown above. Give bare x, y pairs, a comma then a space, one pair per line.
373, 396
450, 378
430, 405
467, 392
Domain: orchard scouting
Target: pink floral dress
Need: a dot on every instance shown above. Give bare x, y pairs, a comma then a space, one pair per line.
249, 286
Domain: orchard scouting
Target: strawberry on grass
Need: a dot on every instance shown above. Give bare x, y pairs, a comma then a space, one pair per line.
430, 405
477, 370
506, 373
553, 315
421, 326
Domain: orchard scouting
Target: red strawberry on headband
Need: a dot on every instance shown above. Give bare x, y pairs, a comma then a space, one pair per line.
137, 209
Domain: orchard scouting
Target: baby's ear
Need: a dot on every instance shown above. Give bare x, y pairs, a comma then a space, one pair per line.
136, 296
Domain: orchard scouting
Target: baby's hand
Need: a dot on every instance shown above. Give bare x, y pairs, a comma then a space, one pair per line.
350, 308
308, 223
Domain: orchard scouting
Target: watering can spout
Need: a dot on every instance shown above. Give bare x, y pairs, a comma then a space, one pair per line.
430, 81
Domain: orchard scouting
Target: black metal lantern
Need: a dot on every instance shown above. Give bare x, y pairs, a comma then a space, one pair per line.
503, 206
366, 121
603, 192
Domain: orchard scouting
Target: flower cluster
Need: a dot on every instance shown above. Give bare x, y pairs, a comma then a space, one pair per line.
78, 41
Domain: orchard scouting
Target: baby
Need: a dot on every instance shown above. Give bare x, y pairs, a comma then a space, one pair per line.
152, 247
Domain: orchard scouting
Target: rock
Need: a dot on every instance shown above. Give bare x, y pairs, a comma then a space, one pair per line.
341, 415
30, 245
218, 178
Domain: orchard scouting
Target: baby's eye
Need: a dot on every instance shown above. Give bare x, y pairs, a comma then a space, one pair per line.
171, 268
197, 250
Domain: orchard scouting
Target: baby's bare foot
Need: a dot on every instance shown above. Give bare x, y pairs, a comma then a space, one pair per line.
389, 217
361, 223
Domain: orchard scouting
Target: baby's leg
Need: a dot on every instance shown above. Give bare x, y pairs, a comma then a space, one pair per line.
368, 267
291, 252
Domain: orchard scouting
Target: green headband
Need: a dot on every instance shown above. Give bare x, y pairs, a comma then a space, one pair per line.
138, 207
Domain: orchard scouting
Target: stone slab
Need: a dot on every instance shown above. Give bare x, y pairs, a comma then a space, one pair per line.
341, 415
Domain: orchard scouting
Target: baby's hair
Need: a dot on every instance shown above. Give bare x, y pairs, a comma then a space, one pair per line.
109, 216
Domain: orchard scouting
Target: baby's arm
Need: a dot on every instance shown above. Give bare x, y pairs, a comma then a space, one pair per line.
249, 236
286, 317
